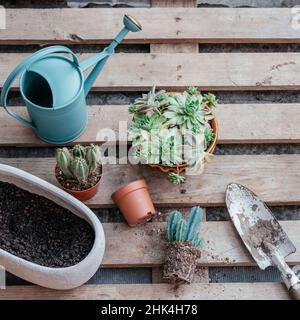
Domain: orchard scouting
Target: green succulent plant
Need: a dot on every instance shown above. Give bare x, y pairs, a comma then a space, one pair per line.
188, 112
79, 162
148, 103
162, 125
159, 146
64, 160
79, 151
210, 100
192, 90
209, 136
80, 169
181, 230
176, 178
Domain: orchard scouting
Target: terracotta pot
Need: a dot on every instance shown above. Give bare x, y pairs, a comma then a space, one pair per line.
82, 195
182, 167
135, 202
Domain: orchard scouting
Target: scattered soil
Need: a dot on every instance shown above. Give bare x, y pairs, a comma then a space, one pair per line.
267, 232
38, 230
181, 262
264, 235
74, 185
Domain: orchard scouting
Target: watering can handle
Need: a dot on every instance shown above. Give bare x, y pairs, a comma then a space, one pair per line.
25, 63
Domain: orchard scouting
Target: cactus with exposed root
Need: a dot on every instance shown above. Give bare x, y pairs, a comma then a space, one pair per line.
183, 247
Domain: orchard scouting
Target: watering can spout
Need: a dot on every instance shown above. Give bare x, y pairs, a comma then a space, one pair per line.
130, 24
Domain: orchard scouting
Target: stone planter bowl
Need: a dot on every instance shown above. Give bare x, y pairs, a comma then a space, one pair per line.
54, 278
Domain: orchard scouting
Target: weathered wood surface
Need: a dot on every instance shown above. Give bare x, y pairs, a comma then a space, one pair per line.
217, 25
211, 291
183, 47
146, 245
208, 71
275, 178
238, 123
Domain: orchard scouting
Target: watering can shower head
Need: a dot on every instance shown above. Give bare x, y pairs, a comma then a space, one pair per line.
131, 23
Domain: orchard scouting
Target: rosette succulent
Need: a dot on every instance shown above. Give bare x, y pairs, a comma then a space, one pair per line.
172, 129
148, 103
188, 112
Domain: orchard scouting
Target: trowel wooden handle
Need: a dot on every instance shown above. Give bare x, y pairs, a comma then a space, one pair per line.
295, 291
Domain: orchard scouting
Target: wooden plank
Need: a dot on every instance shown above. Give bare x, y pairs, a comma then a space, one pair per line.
208, 71
275, 178
174, 47
146, 246
217, 25
212, 291
238, 123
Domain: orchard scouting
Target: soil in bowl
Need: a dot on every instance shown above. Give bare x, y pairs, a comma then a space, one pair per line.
36, 229
74, 185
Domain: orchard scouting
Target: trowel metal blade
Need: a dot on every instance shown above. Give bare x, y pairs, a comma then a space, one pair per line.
256, 225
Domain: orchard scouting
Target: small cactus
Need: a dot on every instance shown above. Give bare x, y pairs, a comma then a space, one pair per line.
173, 219
183, 247
79, 151
197, 242
194, 220
92, 157
80, 169
180, 230
78, 163
64, 160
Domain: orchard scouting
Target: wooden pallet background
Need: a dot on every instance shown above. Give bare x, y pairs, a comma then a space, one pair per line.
174, 62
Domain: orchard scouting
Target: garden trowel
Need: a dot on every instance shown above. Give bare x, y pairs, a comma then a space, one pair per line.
262, 234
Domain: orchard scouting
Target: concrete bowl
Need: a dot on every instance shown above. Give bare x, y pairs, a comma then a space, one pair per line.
54, 278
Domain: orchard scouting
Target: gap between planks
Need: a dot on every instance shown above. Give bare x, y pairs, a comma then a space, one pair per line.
207, 71
275, 178
211, 291
209, 25
238, 123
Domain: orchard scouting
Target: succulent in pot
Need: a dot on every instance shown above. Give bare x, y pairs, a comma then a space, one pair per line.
174, 132
184, 244
79, 170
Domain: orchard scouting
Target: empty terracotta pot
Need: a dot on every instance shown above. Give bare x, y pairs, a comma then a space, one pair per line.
135, 202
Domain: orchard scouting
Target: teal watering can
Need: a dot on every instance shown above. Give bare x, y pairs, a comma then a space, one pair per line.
54, 89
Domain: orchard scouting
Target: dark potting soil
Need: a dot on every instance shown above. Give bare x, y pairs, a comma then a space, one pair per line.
181, 262
74, 185
38, 230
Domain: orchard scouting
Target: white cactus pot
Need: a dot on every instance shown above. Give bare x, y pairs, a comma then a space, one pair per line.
55, 278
